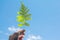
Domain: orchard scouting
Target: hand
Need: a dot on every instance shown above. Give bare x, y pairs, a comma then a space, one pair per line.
20, 37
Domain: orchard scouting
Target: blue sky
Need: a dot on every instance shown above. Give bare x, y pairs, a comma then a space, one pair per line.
45, 17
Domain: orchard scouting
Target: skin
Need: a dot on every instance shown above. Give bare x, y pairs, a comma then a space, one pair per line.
21, 36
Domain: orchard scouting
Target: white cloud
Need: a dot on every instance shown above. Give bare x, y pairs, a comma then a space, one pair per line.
13, 29
34, 37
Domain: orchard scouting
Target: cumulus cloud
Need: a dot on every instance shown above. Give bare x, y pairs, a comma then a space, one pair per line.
13, 29
34, 37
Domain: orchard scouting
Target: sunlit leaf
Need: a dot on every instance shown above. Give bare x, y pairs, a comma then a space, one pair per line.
27, 24
18, 12
28, 15
20, 25
28, 18
20, 18
26, 11
23, 15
